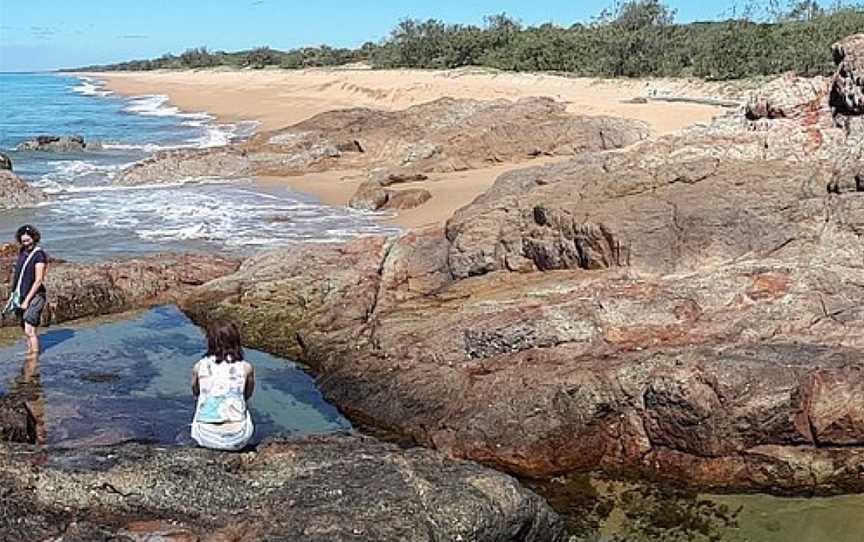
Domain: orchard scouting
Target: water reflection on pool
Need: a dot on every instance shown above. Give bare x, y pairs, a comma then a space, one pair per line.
130, 380
596, 509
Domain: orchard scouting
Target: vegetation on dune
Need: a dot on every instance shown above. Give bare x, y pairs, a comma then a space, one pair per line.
635, 38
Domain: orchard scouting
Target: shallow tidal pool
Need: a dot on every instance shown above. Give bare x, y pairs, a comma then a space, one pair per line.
128, 379
600, 510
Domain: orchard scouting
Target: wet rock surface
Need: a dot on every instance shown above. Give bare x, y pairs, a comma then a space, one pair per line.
78, 290
185, 164
15, 192
5, 162
441, 136
317, 488
53, 143
685, 308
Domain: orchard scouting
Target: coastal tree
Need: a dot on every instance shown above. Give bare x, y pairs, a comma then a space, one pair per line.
633, 38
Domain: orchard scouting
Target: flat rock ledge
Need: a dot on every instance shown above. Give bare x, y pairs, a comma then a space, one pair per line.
326, 488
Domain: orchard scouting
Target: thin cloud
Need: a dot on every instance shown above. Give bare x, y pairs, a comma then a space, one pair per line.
43, 31
134, 37
257, 3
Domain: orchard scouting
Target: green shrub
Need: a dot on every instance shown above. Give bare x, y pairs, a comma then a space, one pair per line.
635, 38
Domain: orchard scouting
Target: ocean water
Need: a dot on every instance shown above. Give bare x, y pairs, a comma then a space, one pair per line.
89, 219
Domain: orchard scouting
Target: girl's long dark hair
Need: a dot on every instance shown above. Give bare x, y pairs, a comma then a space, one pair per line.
223, 342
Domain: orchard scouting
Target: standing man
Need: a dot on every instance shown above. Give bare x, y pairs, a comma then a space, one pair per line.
30, 280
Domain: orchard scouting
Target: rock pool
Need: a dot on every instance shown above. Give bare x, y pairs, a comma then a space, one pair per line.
129, 379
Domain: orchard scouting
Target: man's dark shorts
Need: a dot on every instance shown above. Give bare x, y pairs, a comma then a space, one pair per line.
33, 314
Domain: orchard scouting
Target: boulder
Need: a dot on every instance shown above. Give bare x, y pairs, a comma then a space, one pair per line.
334, 488
5, 161
67, 143
785, 97
407, 198
78, 290
370, 196
338, 284
15, 192
183, 165
847, 86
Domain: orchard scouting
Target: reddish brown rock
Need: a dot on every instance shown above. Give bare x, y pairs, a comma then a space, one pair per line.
336, 296
687, 308
79, 290
408, 198
786, 97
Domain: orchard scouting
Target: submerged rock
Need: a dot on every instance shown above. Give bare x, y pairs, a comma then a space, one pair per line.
15, 192
68, 143
319, 488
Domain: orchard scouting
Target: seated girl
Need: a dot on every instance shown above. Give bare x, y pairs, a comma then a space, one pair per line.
223, 382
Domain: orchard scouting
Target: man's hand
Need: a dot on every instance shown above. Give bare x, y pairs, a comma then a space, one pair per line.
25, 304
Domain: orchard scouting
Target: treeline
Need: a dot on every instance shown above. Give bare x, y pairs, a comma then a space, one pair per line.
257, 58
635, 38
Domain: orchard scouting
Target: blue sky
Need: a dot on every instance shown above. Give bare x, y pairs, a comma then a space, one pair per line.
49, 34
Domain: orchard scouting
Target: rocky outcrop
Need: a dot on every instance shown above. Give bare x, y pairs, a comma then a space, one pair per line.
15, 192
5, 162
184, 165
441, 136
80, 290
52, 143
335, 488
687, 308
847, 87
308, 290
785, 97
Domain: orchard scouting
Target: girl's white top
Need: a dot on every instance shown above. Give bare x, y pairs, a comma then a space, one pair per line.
221, 387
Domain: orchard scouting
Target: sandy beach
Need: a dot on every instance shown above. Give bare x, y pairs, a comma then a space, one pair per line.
281, 98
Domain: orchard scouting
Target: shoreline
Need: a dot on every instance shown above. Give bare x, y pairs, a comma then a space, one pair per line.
276, 99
